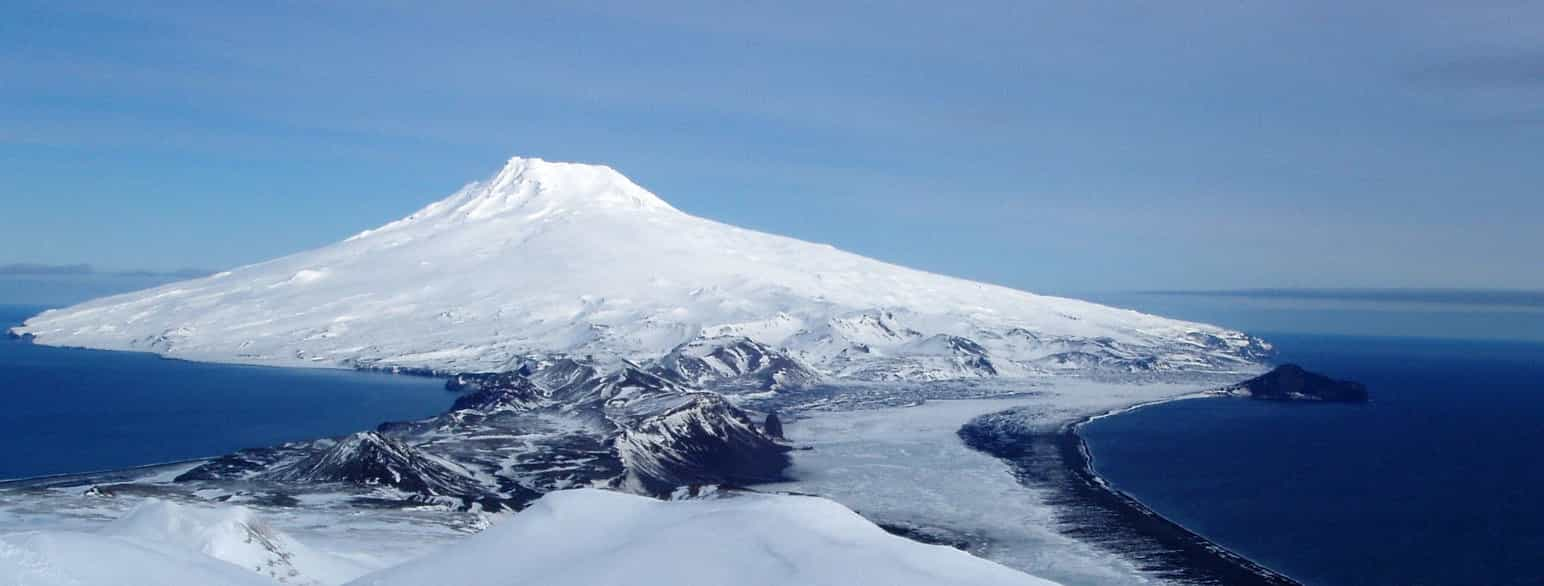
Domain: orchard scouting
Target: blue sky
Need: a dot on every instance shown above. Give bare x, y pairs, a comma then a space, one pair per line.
1050, 146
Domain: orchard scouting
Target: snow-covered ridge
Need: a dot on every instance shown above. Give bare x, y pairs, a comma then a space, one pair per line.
510, 437
579, 537
161, 542
747, 539
548, 260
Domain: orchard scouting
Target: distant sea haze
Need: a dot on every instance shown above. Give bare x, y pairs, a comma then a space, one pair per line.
1478, 297
62, 285
1401, 313
1470, 314
28, 269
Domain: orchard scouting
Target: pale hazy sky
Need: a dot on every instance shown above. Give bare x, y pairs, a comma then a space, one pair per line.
1043, 145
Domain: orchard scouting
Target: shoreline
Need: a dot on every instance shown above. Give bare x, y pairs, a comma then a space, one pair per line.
93, 476
1189, 543
1092, 510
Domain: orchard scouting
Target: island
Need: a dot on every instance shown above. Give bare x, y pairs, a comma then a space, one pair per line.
1290, 382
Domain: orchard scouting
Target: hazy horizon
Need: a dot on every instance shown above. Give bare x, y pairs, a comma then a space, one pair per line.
1505, 315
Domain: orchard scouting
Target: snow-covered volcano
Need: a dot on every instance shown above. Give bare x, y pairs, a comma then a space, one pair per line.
569, 260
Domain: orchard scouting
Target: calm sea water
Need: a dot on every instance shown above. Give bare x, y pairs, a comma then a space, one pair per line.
1437, 481
81, 410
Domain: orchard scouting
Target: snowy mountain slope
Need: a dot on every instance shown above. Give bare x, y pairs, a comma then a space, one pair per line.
549, 260
746, 539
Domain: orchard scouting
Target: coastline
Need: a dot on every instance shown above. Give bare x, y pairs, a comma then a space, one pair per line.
136, 473
1092, 510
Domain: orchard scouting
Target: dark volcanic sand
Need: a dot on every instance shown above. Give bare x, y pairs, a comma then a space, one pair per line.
1090, 510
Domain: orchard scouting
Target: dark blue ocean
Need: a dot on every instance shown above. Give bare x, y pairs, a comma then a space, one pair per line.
1438, 481
67, 410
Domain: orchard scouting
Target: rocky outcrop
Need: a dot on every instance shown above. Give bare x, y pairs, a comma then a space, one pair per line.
1290, 382
735, 363
371, 459
496, 392
514, 436
696, 439
773, 426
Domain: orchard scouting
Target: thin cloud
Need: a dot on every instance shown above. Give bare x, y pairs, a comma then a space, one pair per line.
1521, 70
35, 269
26, 269
1475, 297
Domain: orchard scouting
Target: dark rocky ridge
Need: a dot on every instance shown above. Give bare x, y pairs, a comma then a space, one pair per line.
512, 436
773, 426
1290, 382
734, 363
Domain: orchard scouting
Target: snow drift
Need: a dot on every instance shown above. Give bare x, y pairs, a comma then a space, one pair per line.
579, 537
549, 260
168, 544
585, 537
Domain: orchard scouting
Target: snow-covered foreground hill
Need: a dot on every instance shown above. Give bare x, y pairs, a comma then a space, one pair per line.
163, 543
750, 540
554, 260
579, 537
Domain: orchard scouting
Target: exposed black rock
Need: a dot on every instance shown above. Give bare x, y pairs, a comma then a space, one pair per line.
930, 535
968, 356
513, 436
696, 439
773, 426
370, 459
490, 393
734, 363
367, 460
1289, 382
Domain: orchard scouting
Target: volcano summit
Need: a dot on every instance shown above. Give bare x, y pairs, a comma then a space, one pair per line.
552, 260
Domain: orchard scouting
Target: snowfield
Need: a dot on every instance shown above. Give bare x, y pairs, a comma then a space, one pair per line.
587, 537
558, 259
579, 537
160, 542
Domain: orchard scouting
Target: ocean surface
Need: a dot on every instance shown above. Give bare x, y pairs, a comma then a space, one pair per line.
1439, 480
67, 410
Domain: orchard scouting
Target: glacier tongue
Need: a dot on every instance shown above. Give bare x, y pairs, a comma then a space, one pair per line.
550, 260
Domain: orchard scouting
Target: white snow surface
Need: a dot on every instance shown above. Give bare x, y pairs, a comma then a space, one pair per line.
586, 537
59, 558
560, 259
235, 535
577, 537
161, 542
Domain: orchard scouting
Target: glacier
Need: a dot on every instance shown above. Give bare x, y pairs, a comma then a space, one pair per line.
549, 260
